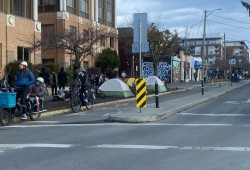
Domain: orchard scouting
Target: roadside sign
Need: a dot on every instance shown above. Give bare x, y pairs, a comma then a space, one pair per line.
140, 33
141, 93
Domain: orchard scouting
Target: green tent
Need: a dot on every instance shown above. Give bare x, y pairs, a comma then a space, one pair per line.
150, 84
116, 88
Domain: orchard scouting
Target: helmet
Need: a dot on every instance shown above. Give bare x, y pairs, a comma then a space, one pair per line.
24, 63
40, 79
82, 70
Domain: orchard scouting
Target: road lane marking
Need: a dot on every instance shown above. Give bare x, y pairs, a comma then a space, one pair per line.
213, 114
77, 114
231, 102
128, 124
36, 145
5, 147
158, 147
42, 122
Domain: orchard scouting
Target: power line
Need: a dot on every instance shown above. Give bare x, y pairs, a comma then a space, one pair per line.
199, 28
191, 26
231, 19
229, 25
209, 27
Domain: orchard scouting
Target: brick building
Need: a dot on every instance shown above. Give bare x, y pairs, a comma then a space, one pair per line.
19, 26
237, 50
214, 46
74, 15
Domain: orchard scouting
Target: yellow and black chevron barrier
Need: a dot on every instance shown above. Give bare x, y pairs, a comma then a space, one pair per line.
140, 93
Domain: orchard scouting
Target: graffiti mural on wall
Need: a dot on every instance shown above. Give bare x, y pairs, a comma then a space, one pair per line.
147, 69
164, 70
176, 70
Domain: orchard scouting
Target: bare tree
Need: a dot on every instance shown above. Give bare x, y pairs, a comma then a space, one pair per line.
77, 43
161, 42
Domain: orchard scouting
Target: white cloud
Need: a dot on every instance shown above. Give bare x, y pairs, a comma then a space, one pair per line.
180, 14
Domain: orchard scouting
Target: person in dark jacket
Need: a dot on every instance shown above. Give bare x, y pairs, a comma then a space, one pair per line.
45, 75
53, 83
83, 77
62, 78
24, 80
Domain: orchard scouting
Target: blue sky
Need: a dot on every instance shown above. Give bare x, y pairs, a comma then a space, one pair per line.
233, 19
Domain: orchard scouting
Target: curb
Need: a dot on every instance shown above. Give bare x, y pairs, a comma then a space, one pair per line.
68, 110
138, 118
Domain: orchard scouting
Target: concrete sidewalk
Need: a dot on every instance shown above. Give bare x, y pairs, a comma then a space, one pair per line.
170, 107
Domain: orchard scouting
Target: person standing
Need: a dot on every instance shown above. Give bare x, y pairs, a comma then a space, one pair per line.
123, 75
62, 78
24, 79
53, 83
45, 75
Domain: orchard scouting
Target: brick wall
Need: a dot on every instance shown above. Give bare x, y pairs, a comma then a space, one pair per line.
17, 31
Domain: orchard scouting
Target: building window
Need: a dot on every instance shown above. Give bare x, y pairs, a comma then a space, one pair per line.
21, 8
72, 31
17, 7
71, 6
48, 6
1, 5
86, 35
47, 31
22, 54
48, 61
110, 13
112, 42
102, 41
85, 64
101, 11
84, 9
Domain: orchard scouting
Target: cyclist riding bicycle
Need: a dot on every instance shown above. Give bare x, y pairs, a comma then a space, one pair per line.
83, 77
24, 80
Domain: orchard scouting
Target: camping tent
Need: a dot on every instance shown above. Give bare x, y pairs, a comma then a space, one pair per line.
150, 84
115, 88
130, 81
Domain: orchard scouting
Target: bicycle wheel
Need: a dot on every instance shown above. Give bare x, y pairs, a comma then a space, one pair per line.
100, 93
91, 100
76, 103
32, 108
5, 117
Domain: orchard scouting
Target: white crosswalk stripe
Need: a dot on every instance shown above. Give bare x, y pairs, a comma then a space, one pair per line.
157, 147
214, 114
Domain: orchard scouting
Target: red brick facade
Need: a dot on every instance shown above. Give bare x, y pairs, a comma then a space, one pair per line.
17, 32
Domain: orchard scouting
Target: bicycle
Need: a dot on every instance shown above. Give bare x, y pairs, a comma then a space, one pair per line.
10, 108
76, 102
99, 93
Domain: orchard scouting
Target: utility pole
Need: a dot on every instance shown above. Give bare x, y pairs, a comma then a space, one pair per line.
204, 50
203, 53
225, 57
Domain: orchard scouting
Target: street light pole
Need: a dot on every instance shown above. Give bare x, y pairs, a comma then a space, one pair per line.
204, 50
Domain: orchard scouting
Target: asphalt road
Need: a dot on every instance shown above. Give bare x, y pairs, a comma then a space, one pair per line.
214, 135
